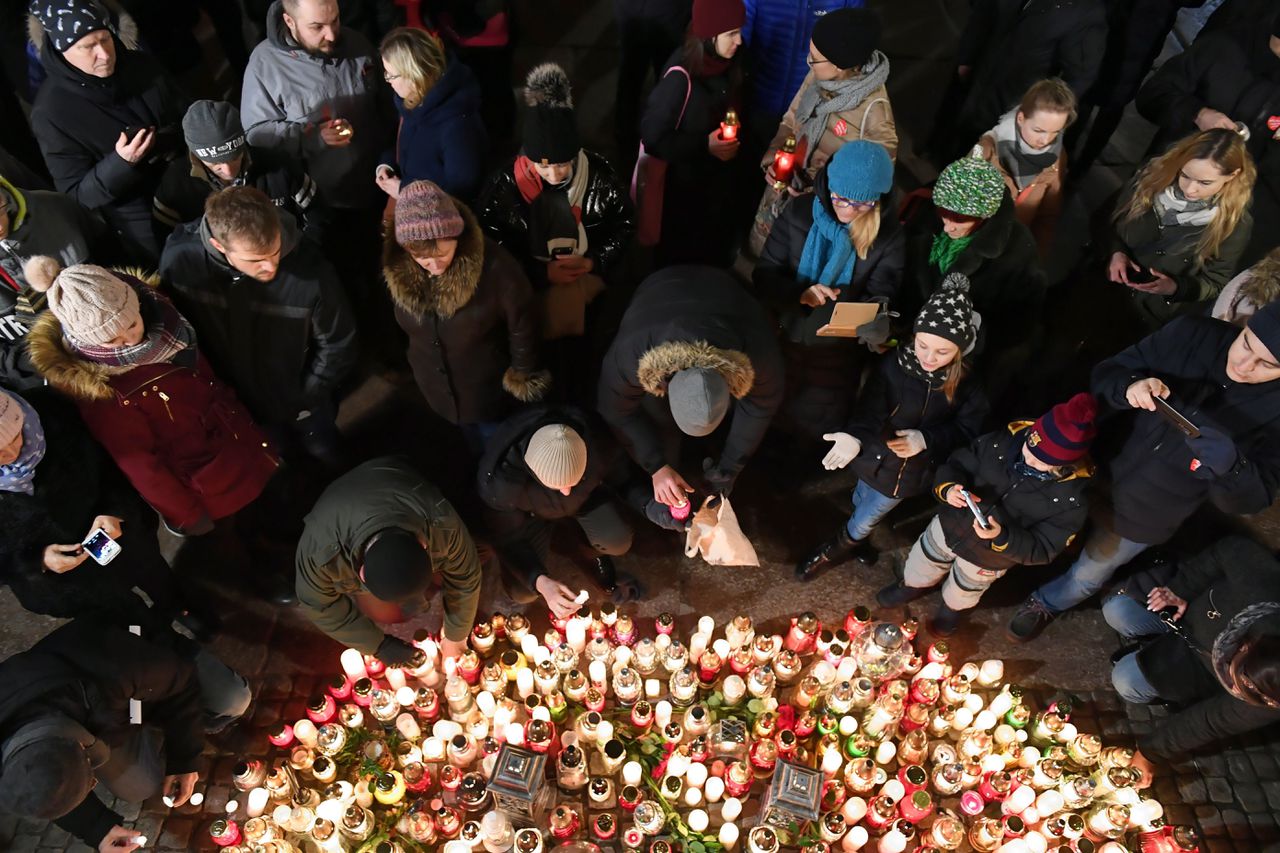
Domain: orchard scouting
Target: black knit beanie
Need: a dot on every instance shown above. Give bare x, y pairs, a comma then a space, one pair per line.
949, 312
550, 127
847, 37
396, 566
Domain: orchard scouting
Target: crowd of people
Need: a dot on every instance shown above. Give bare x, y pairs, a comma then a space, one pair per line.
183, 313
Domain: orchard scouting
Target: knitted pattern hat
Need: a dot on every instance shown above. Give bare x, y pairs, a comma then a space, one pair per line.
847, 37
860, 170
970, 187
93, 305
1265, 324
699, 398
1062, 435
550, 128
949, 312
213, 131
426, 212
395, 565
713, 17
65, 22
11, 418
557, 456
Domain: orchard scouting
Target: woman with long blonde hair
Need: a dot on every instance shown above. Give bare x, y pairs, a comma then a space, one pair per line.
1183, 224
441, 137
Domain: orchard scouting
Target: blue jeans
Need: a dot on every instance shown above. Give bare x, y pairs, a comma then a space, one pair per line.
1130, 683
1104, 552
1130, 619
869, 506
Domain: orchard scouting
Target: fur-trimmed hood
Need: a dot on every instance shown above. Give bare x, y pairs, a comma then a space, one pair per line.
419, 293
658, 364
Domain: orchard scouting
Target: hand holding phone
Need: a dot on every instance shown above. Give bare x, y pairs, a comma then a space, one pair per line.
978, 515
101, 547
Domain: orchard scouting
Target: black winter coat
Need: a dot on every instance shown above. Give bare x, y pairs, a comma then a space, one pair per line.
1039, 517
1006, 282
1152, 487
690, 316
473, 332
607, 217
893, 400
77, 119
875, 278
1217, 584
1011, 44
284, 345
86, 672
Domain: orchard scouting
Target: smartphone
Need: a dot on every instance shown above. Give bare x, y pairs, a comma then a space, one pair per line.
101, 547
1142, 275
1176, 418
973, 508
561, 252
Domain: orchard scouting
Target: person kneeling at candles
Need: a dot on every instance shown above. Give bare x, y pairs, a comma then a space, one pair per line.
64, 727
373, 544
925, 399
547, 463
1209, 629
1027, 483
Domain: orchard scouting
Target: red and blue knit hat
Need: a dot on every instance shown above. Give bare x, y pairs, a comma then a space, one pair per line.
1061, 436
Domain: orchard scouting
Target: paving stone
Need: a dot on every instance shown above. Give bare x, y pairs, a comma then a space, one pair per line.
1178, 814
23, 844
1237, 824
1212, 765
1272, 790
1210, 821
54, 836
1265, 766
1218, 845
1239, 767
1192, 789
1219, 790
1138, 712
177, 833
1265, 828
1250, 796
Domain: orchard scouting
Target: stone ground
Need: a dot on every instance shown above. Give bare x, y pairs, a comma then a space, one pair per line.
1234, 797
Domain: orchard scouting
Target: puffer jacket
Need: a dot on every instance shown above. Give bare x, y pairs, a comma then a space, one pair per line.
778, 33
892, 400
607, 217
1039, 517
473, 332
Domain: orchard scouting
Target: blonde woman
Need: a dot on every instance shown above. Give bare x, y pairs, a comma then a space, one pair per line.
1182, 225
441, 137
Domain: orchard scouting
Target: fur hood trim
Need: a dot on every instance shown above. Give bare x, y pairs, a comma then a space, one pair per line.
419, 293
526, 387
658, 364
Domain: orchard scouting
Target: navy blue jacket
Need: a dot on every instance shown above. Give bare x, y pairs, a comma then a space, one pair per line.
778, 32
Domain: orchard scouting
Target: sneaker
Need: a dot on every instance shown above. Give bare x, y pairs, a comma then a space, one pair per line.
1029, 621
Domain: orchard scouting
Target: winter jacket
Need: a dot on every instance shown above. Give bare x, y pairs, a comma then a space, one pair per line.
778, 32
1152, 487
876, 278
187, 183
1039, 517
284, 345
77, 120
1006, 282
1011, 44
1037, 205
381, 493
1171, 249
288, 93
871, 119
179, 435
891, 401
473, 332
683, 317
443, 139
40, 223
607, 217
86, 672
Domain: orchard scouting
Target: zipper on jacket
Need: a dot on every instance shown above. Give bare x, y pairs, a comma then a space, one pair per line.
902, 466
164, 398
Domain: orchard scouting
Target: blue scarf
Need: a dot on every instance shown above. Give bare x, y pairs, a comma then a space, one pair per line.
18, 476
828, 255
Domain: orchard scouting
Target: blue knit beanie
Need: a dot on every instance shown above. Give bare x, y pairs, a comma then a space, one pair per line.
860, 171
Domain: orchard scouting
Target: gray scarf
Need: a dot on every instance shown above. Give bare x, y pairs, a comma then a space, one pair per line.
1230, 638
1173, 208
824, 98
1023, 163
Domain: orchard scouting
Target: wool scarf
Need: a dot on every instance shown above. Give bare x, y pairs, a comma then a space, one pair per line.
169, 337
1173, 208
945, 250
19, 475
1231, 637
555, 213
822, 99
828, 256
1023, 163
911, 366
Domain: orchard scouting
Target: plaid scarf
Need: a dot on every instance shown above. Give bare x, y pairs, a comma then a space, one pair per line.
1173, 208
1023, 163
18, 476
169, 338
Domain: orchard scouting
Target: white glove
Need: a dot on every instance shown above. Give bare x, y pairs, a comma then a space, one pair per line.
914, 440
844, 447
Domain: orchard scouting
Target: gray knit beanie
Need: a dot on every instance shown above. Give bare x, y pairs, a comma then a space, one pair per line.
94, 305
213, 131
557, 456
699, 399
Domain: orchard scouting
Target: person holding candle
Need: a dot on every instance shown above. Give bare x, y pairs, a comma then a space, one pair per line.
925, 398
373, 545
1027, 482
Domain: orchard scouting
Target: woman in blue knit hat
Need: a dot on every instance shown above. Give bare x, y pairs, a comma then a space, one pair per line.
829, 247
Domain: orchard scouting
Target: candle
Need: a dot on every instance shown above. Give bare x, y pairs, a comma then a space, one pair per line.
407, 726
306, 733
524, 683
256, 802
729, 836
632, 773
652, 688
854, 839
855, 809
575, 634
406, 696
731, 808
353, 664
990, 673
696, 775
713, 789
692, 797
662, 713
395, 678
734, 689
514, 734
729, 127
698, 820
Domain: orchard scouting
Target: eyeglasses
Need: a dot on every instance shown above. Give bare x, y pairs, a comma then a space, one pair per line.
390, 77
841, 202
810, 61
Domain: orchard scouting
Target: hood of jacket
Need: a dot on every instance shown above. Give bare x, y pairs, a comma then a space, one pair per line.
279, 37
417, 292
455, 93
289, 238
658, 364
134, 72
1259, 619
16, 204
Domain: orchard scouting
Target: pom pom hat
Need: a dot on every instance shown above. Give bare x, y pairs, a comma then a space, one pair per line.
1062, 435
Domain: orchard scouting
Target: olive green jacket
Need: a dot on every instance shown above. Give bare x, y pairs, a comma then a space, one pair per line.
378, 494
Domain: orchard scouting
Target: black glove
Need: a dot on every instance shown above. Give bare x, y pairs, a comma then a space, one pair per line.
660, 514
1215, 453
718, 482
393, 651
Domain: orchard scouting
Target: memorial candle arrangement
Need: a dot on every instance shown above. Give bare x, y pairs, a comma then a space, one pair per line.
600, 735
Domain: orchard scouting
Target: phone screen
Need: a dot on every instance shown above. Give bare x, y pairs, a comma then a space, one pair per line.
98, 544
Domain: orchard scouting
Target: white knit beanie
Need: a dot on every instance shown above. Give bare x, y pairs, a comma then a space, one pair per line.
557, 456
11, 418
93, 304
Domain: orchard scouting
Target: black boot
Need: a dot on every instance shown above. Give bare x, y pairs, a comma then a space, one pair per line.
945, 621
897, 594
833, 552
605, 572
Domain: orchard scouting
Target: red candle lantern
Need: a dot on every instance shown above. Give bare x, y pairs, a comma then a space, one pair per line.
784, 164
729, 127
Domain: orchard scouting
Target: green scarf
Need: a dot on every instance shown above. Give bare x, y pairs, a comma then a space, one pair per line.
943, 252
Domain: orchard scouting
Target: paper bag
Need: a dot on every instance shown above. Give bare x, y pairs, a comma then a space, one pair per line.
716, 535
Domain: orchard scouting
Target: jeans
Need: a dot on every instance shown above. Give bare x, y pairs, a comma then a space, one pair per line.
869, 506
1130, 683
1104, 552
1131, 619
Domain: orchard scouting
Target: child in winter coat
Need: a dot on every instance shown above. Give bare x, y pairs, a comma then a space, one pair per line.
1027, 485
918, 405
